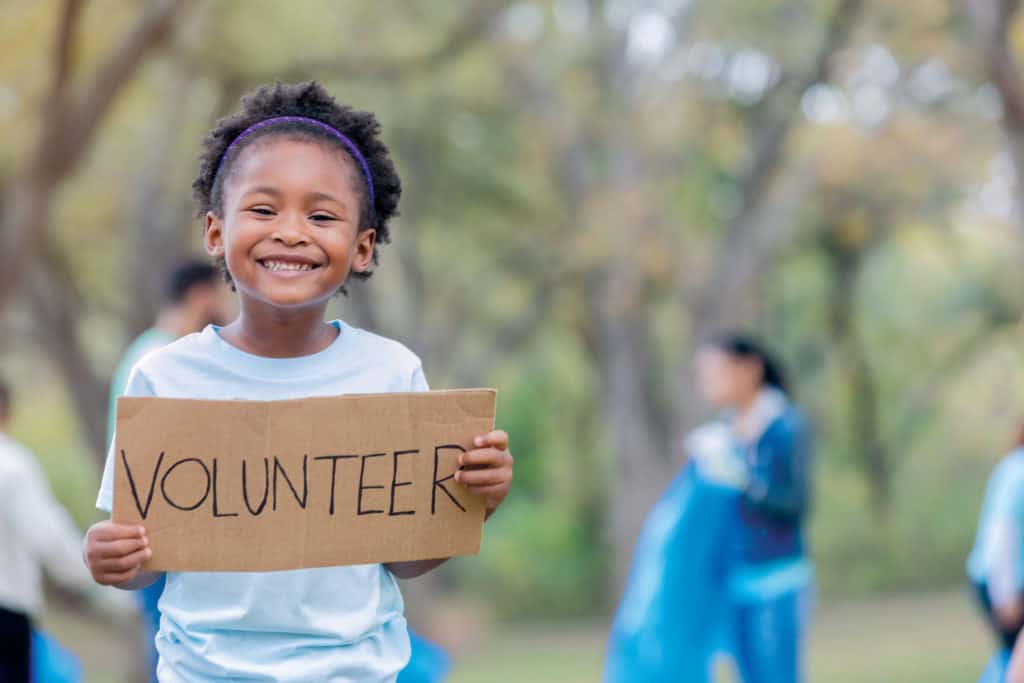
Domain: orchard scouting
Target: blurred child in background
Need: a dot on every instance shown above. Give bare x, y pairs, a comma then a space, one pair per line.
995, 564
36, 535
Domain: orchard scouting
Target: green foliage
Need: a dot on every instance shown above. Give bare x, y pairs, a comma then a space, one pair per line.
539, 168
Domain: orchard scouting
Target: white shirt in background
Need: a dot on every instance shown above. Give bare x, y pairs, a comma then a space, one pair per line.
36, 534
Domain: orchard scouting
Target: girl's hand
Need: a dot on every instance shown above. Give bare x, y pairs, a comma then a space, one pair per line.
114, 553
487, 469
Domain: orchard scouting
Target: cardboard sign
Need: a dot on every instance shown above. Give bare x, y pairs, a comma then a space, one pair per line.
271, 485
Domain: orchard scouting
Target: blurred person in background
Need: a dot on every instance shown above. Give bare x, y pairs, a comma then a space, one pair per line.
195, 295
36, 535
995, 565
771, 585
721, 564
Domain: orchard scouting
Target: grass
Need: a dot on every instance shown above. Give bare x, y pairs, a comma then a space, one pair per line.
936, 638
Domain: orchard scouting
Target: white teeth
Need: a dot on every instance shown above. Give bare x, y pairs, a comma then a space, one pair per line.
285, 265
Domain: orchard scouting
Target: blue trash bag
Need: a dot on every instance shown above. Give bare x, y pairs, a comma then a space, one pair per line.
674, 615
995, 672
428, 663
51, 663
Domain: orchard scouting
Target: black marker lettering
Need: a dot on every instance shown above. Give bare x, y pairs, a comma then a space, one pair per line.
266, 488
439, 483
362, 487
301, 500
396, 484
163, 484
152, 484
216, 513
334, 470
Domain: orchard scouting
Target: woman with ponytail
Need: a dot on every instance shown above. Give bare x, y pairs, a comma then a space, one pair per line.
720, 565
769, 464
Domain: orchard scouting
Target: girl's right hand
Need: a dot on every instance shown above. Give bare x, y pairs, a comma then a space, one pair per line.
114, 553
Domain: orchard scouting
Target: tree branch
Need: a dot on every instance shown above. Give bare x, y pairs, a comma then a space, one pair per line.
372, 67
64, 48
149, 31
56, 312
992, 21
61, 142
1000, 317
728, 276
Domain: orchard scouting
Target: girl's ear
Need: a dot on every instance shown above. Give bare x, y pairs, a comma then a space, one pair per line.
363, 258
213, 235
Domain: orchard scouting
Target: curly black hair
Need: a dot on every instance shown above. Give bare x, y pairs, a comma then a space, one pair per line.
308, 100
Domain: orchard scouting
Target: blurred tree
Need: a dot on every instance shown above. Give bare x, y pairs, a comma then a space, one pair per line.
604, 110
30, 262
591, 187
999, 27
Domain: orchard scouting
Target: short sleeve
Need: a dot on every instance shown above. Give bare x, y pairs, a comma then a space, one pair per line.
137, 385
1005, 499
419, 380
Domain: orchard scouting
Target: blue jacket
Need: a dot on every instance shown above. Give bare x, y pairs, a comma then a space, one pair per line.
777, 497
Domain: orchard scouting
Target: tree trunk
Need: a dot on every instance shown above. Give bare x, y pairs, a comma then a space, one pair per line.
57, 330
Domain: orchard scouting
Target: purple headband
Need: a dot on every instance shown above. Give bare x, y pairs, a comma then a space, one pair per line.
333, 132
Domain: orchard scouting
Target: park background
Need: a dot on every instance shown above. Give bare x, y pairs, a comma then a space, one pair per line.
591, 186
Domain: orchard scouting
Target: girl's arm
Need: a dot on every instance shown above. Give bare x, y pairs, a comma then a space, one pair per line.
779, 479
410, 570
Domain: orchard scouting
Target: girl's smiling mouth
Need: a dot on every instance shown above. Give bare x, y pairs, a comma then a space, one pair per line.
287, 264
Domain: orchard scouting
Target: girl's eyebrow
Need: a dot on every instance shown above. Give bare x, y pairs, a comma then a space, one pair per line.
272, 191
325, 196
276, 193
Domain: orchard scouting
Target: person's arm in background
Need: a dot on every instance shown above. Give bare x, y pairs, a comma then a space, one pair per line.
1015, 671
42, 524
779, 479
1003, 584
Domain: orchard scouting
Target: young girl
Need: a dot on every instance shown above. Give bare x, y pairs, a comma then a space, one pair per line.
296, 192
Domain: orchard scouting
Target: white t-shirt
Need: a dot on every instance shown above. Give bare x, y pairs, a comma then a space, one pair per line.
35, 534
342, 624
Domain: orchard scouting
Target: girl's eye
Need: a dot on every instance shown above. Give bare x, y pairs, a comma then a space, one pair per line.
323, 217
262, 211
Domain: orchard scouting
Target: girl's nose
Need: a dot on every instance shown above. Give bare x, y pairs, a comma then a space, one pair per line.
290, 233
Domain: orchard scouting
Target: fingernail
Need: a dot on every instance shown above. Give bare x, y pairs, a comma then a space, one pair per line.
149, 553
478, 441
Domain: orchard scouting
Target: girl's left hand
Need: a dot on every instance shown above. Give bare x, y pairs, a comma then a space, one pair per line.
487, 469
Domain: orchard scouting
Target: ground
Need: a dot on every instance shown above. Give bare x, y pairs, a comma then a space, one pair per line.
935, 637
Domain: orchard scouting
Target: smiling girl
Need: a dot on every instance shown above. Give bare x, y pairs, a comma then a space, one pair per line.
296, 193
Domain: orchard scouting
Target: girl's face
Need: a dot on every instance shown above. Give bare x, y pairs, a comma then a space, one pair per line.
290, 230
725, 380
